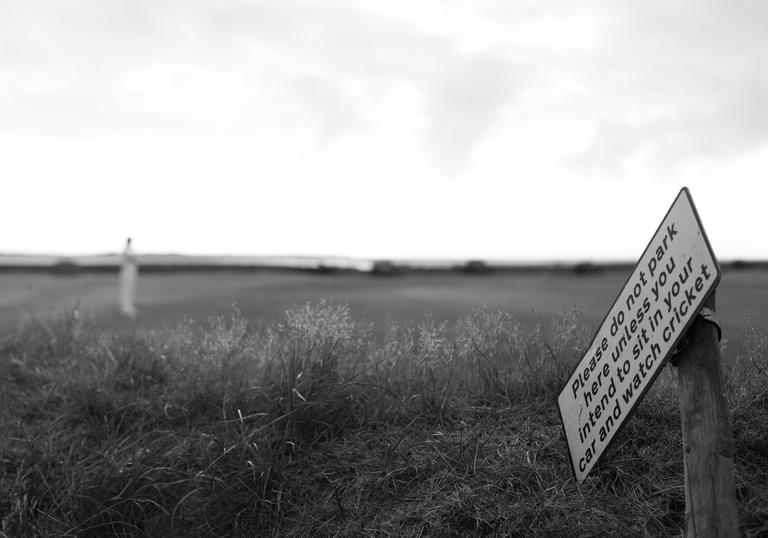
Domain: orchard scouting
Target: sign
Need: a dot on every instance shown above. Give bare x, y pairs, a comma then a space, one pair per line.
659, 301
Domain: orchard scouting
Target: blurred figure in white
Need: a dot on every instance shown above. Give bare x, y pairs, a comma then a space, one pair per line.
129, 272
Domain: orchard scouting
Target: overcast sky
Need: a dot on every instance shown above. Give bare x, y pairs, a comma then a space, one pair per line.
369, 128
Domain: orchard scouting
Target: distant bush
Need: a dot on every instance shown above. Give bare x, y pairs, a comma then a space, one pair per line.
66, 267
586, 268
476, 267
384, 268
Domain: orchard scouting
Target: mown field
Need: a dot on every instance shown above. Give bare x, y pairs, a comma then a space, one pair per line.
166, 299
292, 415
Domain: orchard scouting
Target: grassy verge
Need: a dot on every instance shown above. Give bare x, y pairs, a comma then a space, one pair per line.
311, 427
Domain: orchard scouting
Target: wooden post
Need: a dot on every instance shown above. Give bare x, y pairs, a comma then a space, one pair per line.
710, 491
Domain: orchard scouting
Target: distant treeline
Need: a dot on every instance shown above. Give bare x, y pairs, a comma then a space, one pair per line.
387, 268
71, 268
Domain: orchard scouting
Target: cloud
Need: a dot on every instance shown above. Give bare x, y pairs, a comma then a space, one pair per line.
350, 61
730, 124
653, 81
463, 99
331, 112
672, 83
94, 67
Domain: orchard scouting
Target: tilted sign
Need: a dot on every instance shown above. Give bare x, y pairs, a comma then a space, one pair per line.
661, 298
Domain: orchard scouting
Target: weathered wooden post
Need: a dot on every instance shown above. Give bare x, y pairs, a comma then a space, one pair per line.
710, 502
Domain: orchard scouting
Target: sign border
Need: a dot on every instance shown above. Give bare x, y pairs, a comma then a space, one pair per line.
681, 334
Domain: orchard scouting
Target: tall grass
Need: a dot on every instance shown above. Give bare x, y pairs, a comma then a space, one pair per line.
312, 427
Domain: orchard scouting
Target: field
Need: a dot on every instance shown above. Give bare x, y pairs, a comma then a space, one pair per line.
165, 299
426, 407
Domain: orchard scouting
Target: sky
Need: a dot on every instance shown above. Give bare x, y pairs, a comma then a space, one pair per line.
488, 129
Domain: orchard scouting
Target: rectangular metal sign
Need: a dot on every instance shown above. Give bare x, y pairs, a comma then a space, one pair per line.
659, 301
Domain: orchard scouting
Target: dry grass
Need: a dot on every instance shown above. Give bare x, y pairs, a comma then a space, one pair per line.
311, 427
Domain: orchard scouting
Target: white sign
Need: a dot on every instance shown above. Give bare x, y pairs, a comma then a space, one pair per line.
661, 298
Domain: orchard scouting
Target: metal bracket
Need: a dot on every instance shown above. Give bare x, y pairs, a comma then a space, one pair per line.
707, 314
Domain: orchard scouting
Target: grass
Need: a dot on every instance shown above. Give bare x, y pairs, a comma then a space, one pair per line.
310, 426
